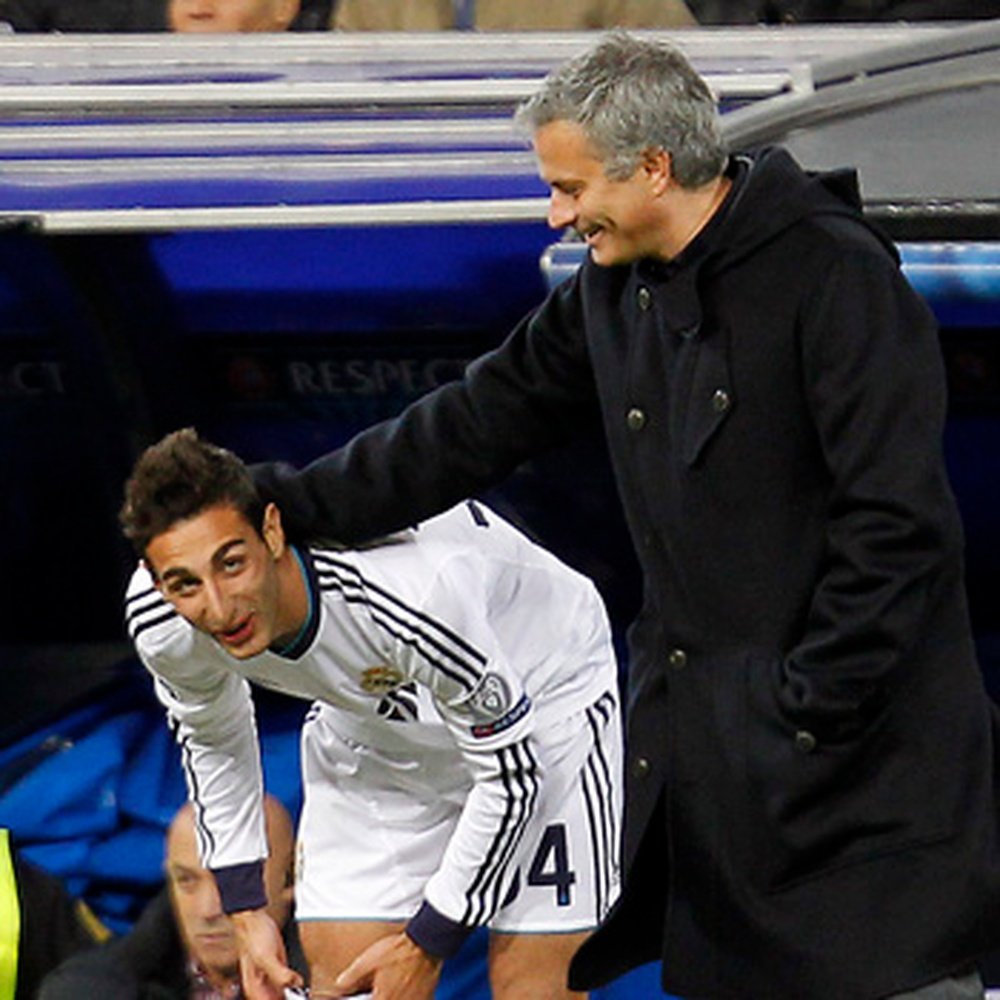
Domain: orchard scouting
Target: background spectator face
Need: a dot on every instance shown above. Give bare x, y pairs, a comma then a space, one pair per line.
208, 933
230, 15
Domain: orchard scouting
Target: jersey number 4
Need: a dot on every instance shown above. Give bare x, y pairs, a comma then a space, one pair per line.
550, 866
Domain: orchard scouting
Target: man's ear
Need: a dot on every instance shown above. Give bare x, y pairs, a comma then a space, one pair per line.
656, 164
273, 530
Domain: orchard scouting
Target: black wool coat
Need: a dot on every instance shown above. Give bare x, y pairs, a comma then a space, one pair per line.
811, 807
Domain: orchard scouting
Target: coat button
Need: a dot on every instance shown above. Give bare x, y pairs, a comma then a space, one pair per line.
636, 419
721, 401
644, 298
677, 659
805, 742
640, 767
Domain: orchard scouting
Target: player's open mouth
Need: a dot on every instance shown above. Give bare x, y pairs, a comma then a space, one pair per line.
238, 635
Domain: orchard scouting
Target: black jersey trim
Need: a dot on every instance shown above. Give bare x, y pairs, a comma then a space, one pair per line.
206, 840
438, 644
598, 794
146, 610
519, 773
327, 559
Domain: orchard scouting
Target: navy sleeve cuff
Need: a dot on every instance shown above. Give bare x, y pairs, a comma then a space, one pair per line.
435, 933
241, 887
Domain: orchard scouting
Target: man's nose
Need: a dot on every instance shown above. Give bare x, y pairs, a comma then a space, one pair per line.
214, 606
562, 210
209, 900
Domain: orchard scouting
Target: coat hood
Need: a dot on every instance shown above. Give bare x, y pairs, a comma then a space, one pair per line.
773, 193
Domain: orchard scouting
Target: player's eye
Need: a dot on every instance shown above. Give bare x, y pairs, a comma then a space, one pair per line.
232, 564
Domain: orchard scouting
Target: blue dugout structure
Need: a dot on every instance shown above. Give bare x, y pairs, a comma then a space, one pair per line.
281, 240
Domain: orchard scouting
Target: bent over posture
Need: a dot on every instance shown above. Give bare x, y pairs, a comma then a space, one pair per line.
461, 758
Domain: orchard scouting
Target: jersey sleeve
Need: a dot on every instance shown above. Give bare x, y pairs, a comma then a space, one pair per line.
491, 717
210, 711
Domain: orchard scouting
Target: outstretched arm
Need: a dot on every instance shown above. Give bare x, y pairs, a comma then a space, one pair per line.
532, 393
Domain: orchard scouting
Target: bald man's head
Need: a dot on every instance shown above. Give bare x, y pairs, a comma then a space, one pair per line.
207, 932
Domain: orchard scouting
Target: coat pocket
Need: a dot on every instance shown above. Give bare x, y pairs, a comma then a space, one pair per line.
817, 804
711, 398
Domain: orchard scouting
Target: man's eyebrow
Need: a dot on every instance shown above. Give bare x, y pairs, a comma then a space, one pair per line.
175, 571
223, 550
220, 553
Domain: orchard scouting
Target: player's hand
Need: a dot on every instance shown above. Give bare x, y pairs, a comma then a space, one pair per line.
263, 961
393, 968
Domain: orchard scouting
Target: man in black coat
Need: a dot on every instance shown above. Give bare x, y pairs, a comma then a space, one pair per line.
811, 808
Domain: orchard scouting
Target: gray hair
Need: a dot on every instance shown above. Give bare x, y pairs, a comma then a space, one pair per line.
631, 95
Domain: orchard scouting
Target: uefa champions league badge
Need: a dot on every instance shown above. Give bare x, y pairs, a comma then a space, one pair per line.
491, 698
380, 680
492, 707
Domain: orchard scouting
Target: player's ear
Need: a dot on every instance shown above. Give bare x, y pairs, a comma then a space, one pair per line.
273, 530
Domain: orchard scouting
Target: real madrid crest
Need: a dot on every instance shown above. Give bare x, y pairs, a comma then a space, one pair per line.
380, 680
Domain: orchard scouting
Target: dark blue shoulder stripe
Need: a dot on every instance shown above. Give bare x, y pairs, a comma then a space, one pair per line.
432, 639
150, 601
439, 626
142, 595
437, 655
139, 627
146, 610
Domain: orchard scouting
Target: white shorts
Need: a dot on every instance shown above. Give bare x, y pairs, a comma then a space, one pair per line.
375, 826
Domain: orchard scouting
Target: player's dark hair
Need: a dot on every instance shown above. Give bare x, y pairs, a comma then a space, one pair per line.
179, 477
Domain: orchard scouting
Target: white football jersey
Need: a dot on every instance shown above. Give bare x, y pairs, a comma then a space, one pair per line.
460, 634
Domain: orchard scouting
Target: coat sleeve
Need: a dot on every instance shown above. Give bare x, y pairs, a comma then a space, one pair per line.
875, 386
528, 395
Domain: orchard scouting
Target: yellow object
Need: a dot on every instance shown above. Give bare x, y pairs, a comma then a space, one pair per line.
10, 920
